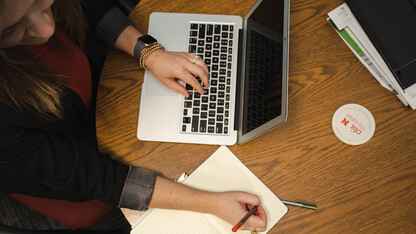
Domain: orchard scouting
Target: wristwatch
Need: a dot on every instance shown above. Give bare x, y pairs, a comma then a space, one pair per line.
143, 42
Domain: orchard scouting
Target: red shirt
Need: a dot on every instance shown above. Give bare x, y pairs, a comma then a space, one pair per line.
65, 58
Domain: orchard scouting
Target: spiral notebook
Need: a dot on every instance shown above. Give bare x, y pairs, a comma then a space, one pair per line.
222, 171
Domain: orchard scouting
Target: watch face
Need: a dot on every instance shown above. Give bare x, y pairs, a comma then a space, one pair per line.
147, 40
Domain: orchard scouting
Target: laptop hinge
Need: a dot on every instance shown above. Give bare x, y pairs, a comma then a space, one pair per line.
238, 86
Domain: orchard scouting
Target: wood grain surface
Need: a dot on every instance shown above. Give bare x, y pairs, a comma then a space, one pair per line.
369, 188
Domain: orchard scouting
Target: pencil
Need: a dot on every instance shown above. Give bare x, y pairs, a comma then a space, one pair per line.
244, 219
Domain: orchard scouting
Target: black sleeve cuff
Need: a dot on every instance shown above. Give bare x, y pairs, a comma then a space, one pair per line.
111, 25
138, 188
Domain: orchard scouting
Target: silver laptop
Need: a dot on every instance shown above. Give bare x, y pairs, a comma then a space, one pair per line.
248, 89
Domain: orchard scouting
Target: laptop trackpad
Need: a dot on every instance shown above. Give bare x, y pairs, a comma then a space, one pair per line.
156, 87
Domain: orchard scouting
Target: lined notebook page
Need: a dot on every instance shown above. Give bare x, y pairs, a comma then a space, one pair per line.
222, 171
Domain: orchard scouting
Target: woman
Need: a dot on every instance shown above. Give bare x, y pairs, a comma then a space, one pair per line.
49, 69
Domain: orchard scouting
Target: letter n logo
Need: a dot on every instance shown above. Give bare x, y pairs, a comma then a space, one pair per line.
345, 121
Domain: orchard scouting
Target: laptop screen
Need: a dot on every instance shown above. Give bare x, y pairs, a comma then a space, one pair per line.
264, 72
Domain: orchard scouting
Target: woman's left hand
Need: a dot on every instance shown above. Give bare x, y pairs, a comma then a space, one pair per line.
168, 66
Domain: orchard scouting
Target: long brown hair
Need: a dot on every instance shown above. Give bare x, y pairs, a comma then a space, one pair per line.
25, 83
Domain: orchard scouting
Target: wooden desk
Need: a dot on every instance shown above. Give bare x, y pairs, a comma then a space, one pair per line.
358, 189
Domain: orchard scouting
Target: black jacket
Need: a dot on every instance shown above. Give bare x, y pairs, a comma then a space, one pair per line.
59, 159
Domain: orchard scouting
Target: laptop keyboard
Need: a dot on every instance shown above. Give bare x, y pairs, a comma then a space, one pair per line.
210, 113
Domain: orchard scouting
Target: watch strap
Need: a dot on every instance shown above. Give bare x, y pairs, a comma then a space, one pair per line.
138, 48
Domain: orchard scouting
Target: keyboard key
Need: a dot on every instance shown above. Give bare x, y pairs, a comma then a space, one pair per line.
218, 128
192, 40
225, 28
222, 79
211, 113
204, 107
208, 46
217, 29
212, 105
224, 35
224, 42
211, 121
192, 49
225, 130
183, 128
197, 102
200, 50
223, 56
220, 118
203, 126
210, 29
204, 115
226, 115
201, 31
220, 102
220, 110
204, 99
217, 38
195, 111
194, 26
188, 87
231, 27
185, 112
212, 98
226, 122
220, 94
211, 129
195, 122
223, 64
186, 120
216, 45
188, 104
193, 33
201, 42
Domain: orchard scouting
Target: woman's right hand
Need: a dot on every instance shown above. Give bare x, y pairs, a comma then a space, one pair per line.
233, 206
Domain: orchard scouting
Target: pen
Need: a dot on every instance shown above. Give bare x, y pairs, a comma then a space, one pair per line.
244, 219
300, 204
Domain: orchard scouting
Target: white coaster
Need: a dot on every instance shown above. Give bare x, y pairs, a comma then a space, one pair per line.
353, 124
